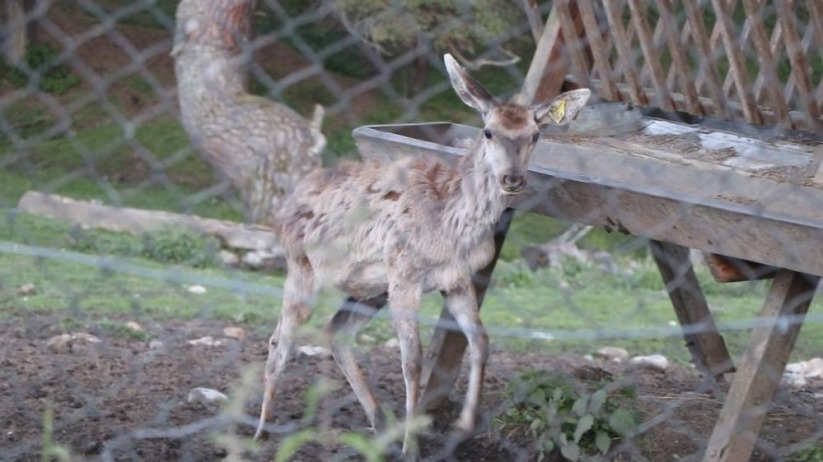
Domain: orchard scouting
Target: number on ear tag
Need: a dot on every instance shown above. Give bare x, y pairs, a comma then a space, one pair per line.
558, 110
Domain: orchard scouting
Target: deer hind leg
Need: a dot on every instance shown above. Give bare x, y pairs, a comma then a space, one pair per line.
462, 303
404, 302
352, 316
298, 291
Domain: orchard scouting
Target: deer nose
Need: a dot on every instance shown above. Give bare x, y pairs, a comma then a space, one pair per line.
513, 183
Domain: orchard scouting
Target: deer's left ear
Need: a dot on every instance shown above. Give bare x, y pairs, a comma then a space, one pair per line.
563, 108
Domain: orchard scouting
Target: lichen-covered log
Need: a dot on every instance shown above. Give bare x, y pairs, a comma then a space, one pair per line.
262, 147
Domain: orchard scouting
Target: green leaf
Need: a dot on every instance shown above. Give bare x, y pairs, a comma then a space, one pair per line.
291, 444
570, 451
603, 441
622, 421
579, 407
583, 425
557, 394
362, 444
597, 401
537, 397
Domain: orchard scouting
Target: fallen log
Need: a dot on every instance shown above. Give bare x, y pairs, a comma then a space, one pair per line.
139, 221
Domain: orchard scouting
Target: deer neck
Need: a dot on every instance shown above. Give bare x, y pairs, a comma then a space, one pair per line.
480, 202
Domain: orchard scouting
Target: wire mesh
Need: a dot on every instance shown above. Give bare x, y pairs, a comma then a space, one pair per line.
140, 263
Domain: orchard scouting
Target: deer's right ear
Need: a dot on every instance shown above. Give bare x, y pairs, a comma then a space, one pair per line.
468, 89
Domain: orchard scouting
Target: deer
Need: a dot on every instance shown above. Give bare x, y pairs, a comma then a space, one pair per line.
390, 232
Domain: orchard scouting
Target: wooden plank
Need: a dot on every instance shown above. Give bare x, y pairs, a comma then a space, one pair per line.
761, 367
737, 65
625, 54
137, 221
532, 10
546, 71
574, 46
707, 347
641, 25
768, 66
600, 53
701, 38
681, 63
760, 81
799, 62
442, 362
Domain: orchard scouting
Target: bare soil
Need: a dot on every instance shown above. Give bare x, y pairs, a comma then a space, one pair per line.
128, 401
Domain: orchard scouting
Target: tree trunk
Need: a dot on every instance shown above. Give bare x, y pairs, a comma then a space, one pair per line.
262, 147
16, 37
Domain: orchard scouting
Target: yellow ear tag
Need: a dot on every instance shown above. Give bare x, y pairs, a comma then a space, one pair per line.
558, 110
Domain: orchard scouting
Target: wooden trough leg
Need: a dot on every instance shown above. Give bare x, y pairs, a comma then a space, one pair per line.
761, 367
442, 364
707, 347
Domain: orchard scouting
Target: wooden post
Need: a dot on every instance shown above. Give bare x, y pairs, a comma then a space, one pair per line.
707, 347
761, 368
445, 354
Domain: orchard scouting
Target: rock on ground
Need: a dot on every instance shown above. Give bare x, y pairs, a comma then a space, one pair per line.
611, 353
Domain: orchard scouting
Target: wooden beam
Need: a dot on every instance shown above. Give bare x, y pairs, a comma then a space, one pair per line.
442, 364
137, 221
707, 347
761, 368
547, 67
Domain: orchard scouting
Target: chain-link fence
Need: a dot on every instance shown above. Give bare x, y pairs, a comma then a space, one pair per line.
147, 146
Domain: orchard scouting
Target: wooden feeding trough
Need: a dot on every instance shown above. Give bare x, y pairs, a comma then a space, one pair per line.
723, 173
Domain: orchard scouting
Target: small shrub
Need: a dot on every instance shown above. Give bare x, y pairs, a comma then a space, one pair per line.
181, 246
39, 59
810, 454
545, 407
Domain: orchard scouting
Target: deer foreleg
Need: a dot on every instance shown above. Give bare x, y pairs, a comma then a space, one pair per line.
404, 302
462, 303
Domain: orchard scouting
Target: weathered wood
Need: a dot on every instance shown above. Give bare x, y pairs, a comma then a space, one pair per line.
679, 60
574, 46
532, 10
706, 346
768, 67
727, 269
737, 66
137, 221
624, 53
799, 62
817, 165
656, 198
442, 364
701, 38
544, 70
641, 25
597, 44
761, 367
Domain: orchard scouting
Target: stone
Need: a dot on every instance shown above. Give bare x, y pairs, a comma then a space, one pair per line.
237, 333
66, 343
656, 362
611, 353
392, 343
314, 351
27, 289
810, 369
133, 325
205, 341
197, 289
205, 396
155, 344
229, 258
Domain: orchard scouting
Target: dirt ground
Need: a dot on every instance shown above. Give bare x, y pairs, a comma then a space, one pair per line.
123, 399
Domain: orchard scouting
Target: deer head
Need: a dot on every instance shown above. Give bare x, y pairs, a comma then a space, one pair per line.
511, 130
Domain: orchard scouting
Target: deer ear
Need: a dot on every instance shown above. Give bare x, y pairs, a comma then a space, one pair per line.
468, 89
563, 108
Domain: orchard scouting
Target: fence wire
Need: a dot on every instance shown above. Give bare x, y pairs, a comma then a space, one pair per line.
143, 159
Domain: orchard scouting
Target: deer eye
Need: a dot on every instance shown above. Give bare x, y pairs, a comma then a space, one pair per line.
487, 133
535, 137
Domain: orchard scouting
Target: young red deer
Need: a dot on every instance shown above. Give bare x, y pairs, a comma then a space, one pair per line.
397, 230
